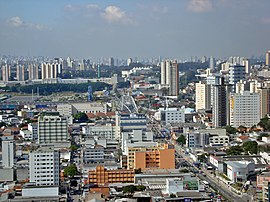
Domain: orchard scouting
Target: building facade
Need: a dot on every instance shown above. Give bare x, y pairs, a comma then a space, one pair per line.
52, 128
203, 96
170, 76
244, 109
44, 166
103, 176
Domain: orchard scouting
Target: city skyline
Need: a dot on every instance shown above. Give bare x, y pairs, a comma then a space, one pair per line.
175, 29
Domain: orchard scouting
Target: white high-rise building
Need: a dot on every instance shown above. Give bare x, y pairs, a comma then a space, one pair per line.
170, 76
44, 166
20, 72
33, 71
52, 128
244, 109
203, 96
51, 71
8, 153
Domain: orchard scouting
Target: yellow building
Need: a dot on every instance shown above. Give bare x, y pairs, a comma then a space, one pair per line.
159, 157
102, 176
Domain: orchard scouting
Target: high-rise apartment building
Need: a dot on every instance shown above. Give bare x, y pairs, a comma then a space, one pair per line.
267, 60
52, 129
212, 62
236, 73
33, 72
220, 104
170, 76
44, 166
244, 109
265, 101
6, 72
20, 72
203, 96
51, 71
8, 153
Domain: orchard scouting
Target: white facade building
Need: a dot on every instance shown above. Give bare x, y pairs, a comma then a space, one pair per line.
33, 127
8, 153
171, 115
203, 96
44, 166
52, 129
104, 131
244, 109
239, 170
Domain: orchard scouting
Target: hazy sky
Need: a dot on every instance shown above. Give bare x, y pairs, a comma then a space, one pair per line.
130, 28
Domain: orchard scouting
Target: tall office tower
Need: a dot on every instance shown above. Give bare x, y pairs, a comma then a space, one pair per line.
212, 62
111, 62
20, 72
244, 109
220, 104
265, 101
267, 61
52, 128
8, 153
6, 72
245, 62
44, 166
203, 96
170, 76
236, 73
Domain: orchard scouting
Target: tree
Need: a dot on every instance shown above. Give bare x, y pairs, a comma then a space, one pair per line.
230, 129
234, 150
73, 147
71, 170
2, 124
138, 171
250, 147
81, 117
262, 135
181, 140
265, 123
202, 158
129, 189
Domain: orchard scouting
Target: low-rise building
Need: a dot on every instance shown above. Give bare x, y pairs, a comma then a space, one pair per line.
103, 176
238, 170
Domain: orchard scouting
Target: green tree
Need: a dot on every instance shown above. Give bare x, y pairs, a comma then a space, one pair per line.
81, 117
71, 170
265, 123
250, 147
172, 196
202, 158
262, 135
181, 140
73, 147
234, 150
230, 129
2, 124
129, 189
138, 171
